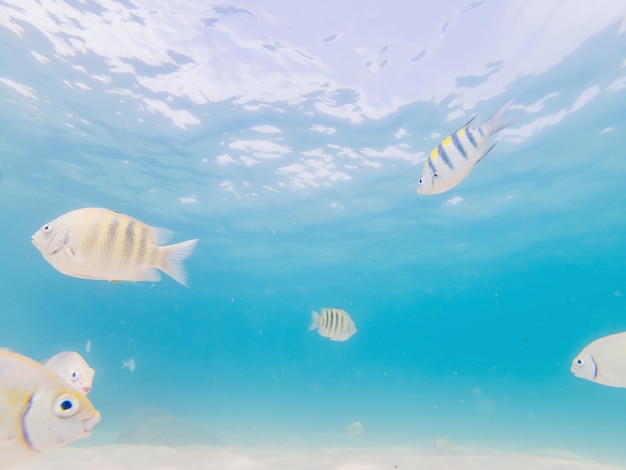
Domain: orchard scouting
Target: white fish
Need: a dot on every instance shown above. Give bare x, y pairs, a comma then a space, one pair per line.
355, 428
38, 410
453, 159
96, 243
72, 368
603, 361
130, 364
88, 346
333, 323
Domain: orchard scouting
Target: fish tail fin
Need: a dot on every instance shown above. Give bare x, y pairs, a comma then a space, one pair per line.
495, 123
315, 320
174, 257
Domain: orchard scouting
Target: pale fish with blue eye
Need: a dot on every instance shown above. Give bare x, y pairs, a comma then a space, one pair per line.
96, 243
454, 158
39, 412
333, 323
72, 368
603, 361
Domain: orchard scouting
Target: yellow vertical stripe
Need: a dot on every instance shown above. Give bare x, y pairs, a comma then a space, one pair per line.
142, 245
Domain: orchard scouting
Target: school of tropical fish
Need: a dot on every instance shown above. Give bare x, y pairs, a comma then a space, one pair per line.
44, 406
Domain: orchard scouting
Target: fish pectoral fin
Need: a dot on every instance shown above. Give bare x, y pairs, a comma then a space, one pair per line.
70, 252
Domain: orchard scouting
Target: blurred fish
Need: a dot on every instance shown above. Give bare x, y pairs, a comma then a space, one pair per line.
88, 346
72, 368
96, 243
130, 364
442, 446
603, 361
333, 323
38, 410
154, 427
355, 428
453, 159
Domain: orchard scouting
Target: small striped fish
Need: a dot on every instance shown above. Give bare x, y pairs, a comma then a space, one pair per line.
94, 243
333, 323
442, 446
453, 159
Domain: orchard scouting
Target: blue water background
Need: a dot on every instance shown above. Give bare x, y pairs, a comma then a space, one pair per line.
468, 315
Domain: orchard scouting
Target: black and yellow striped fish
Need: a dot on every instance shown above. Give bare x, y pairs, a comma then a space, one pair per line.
333, 323
95, 243
452, 160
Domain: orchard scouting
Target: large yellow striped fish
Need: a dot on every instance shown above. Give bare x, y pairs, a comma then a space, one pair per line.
453, 159
94, 243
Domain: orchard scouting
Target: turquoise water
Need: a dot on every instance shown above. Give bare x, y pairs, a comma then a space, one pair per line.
470, 305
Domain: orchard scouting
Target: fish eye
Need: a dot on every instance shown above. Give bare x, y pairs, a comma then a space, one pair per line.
580, 362
435, 175
74, 375
420, 181
65, 406
47, 228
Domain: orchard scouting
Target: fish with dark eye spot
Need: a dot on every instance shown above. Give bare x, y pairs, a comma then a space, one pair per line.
72, 367
603, 361
454, 158
96, 243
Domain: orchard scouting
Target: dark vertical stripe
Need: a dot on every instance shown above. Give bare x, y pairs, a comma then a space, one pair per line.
457, 144
24, 427
110, 240
432, 166
470, 137
595, 369
129, 239
329, 325
444, 157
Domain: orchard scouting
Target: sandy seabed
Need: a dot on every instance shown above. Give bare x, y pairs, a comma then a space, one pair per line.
139, 457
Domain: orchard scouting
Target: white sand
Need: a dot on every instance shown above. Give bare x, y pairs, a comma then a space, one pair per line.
136, 457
